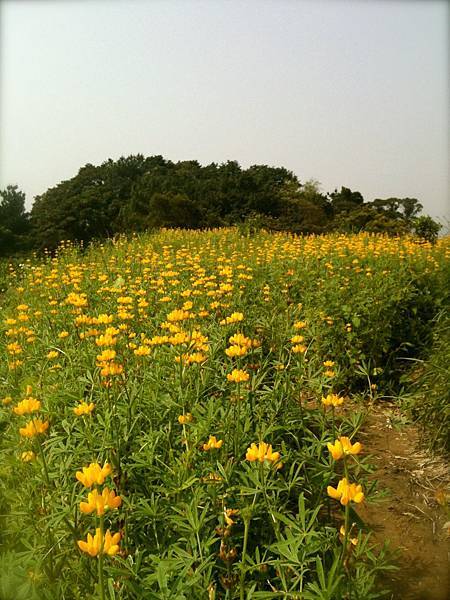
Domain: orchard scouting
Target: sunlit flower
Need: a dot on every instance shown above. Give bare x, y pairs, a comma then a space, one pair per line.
212, 443
100, 502
343, 447
299, 349
235, 317
332, 400
263, 452
106, 356
98, 544
93, 474
28, 456
142, 351
346, 492
111, 369
27, 406
238, 376
34, 427
186, 418
234, 351
84, 408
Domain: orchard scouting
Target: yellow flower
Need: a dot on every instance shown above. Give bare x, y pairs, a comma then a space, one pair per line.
27, 406
346, 492
332, 400
100, 502
238, 339
212, 443
178, 315
235, 317
93, 474
106, 340
111, 369
14, 348
183, 419
142, 351
52, 354
189, 359
300, 325
328, 363
28, 456
343, 447
299, 349
97, 544
263, 452
6, 400
34, 427
329, 373
238, 376
106, 356
84, 408
63, 335
233, 351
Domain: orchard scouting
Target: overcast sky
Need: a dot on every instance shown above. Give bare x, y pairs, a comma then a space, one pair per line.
348, 93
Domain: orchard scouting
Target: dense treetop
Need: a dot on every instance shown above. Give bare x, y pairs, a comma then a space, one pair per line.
136, 193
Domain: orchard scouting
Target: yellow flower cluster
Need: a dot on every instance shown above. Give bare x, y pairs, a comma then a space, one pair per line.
33, 428
186, 418
235, 317
343, 447
100, 544
212, 443
346, 492
27, 406
100, 502
332, 400
238, 376
240, 345
84, 408
263, 452
298, 347
94, 475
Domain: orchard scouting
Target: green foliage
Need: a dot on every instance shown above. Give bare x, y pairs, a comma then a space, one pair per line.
326, 314
426, 228
430, 392
14, 224
138, 193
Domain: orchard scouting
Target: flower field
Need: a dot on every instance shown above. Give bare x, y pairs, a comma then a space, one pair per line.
180, 412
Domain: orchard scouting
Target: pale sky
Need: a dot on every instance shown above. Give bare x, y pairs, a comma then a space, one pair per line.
348, 93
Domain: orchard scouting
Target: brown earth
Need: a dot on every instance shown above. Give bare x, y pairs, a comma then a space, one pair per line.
408, 514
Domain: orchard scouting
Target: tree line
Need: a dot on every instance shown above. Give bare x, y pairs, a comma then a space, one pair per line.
138, 193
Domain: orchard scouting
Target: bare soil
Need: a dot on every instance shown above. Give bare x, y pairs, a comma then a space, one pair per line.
407, 513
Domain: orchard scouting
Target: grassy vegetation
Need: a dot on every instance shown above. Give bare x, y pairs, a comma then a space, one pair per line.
430, 392
206, 374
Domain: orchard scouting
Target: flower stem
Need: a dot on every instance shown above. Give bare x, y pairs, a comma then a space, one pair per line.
244, 553
101, 580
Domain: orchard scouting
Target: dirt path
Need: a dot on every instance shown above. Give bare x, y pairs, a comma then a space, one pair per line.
409, 515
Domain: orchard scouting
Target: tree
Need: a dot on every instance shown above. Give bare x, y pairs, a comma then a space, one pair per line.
426, 228
345, 200
14, 224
